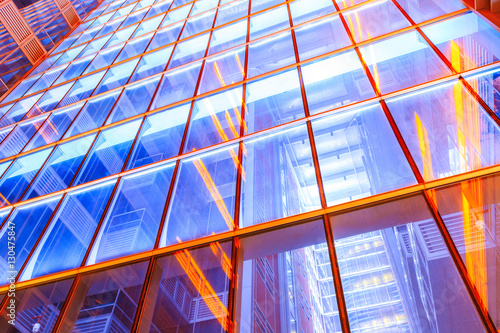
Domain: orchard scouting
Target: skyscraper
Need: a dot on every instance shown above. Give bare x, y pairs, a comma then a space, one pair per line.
255, 166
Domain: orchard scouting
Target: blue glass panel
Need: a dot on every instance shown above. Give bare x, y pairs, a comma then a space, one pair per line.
19, 136
268, 22
178, 3
279, 180
5, 131
88, 34
103, 59
55, 126
121, 36
422, 10
68, 236
335, 81
402, 61
176, 15
160, 7
177, 85
233, 11
228, 36
74, 69
82, 88
131, 226
50, 100
116, 76
202, 6
67, 42
160, 137
111, 27
148, 26
134, 17
305, 10
17, 111
490, 79
124, 10
321, 37
359, 155
346, 4
20, 89
273, 101
221, 70
207, 185
215, 119
270, 54
258, 5
446, 130
152, 63
198, 24
165, 36
455, 36
109, 152
17, 178
46, 80
45, 64
93, 114
4, 166
189, 50
134, 47
67, 56
27, 222
134, 100
60, 168
95, 46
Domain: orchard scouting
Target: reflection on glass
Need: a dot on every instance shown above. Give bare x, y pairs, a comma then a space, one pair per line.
279, 178
19, 136
285, 282
470, 213
397, 273
204, 197
37, 308
268, 22
134, 216
446, 130
189, 291
491, 94
65, 242
271, 53
422, 10
359, 155
305, 10
228, 36
221, 70
106, 301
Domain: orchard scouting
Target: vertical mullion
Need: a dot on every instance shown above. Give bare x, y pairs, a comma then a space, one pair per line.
144, 294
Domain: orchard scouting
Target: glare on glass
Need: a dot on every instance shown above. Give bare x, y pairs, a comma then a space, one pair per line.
222, 70
270, 54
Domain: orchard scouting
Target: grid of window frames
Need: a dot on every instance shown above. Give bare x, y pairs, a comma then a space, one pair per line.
257, 166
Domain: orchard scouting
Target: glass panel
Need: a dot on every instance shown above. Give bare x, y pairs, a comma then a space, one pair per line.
228, 36
93, 113
19, 136
134, 17
94, 46
346, 4
189, 50
177, 85
117, 76
60, 168
134, 100
258, 5
305, 10
47, 79
470, 213
106, 301
134, 47
82, 88
160, 137
198, 24
103, 59
160, 7
467, 41
273, 101
165, 36
207, 185
37, 308
402, 61
232, 12
203, 5
215, 119
67, 56
335, 81
285, 282
279, 178
74, 69
65, 242
152, 63
321, 37
422, 10
190, 284
176, 15
148, 26
111, 26
20, 89
121, 35
397, 274
50, 99
270, 54
17, 178
17, 111
359, 155
222, 70
487, 85
134, 216
446, 130
268, 22
109, 152
27, 222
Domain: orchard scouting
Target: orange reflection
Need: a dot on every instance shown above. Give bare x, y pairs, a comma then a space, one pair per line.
224, 260
5, 201
425, 149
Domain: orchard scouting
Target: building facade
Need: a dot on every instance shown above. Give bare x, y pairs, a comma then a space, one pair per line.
255, 166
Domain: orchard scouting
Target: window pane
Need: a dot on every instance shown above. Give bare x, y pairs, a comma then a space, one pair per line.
270, 54
165, 36
27, 222
335, 81
37, 308
17, 111
51, 98
190, 284
19, 136
491, 95
106, 301
285, 282
82, 88
160, 137
215, 119
116, 76
231, 12
268, 22
108, 152
274, 101
47, 79
103, 59
455, 36
152, 63
446, 130
206, 184
134, 216
422, 10
305, 10
60, 168
280, 180
68, 236
134, 47
228, 36
75, 69
222, 70
359, 155
397, 274
198, 24
189, 50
